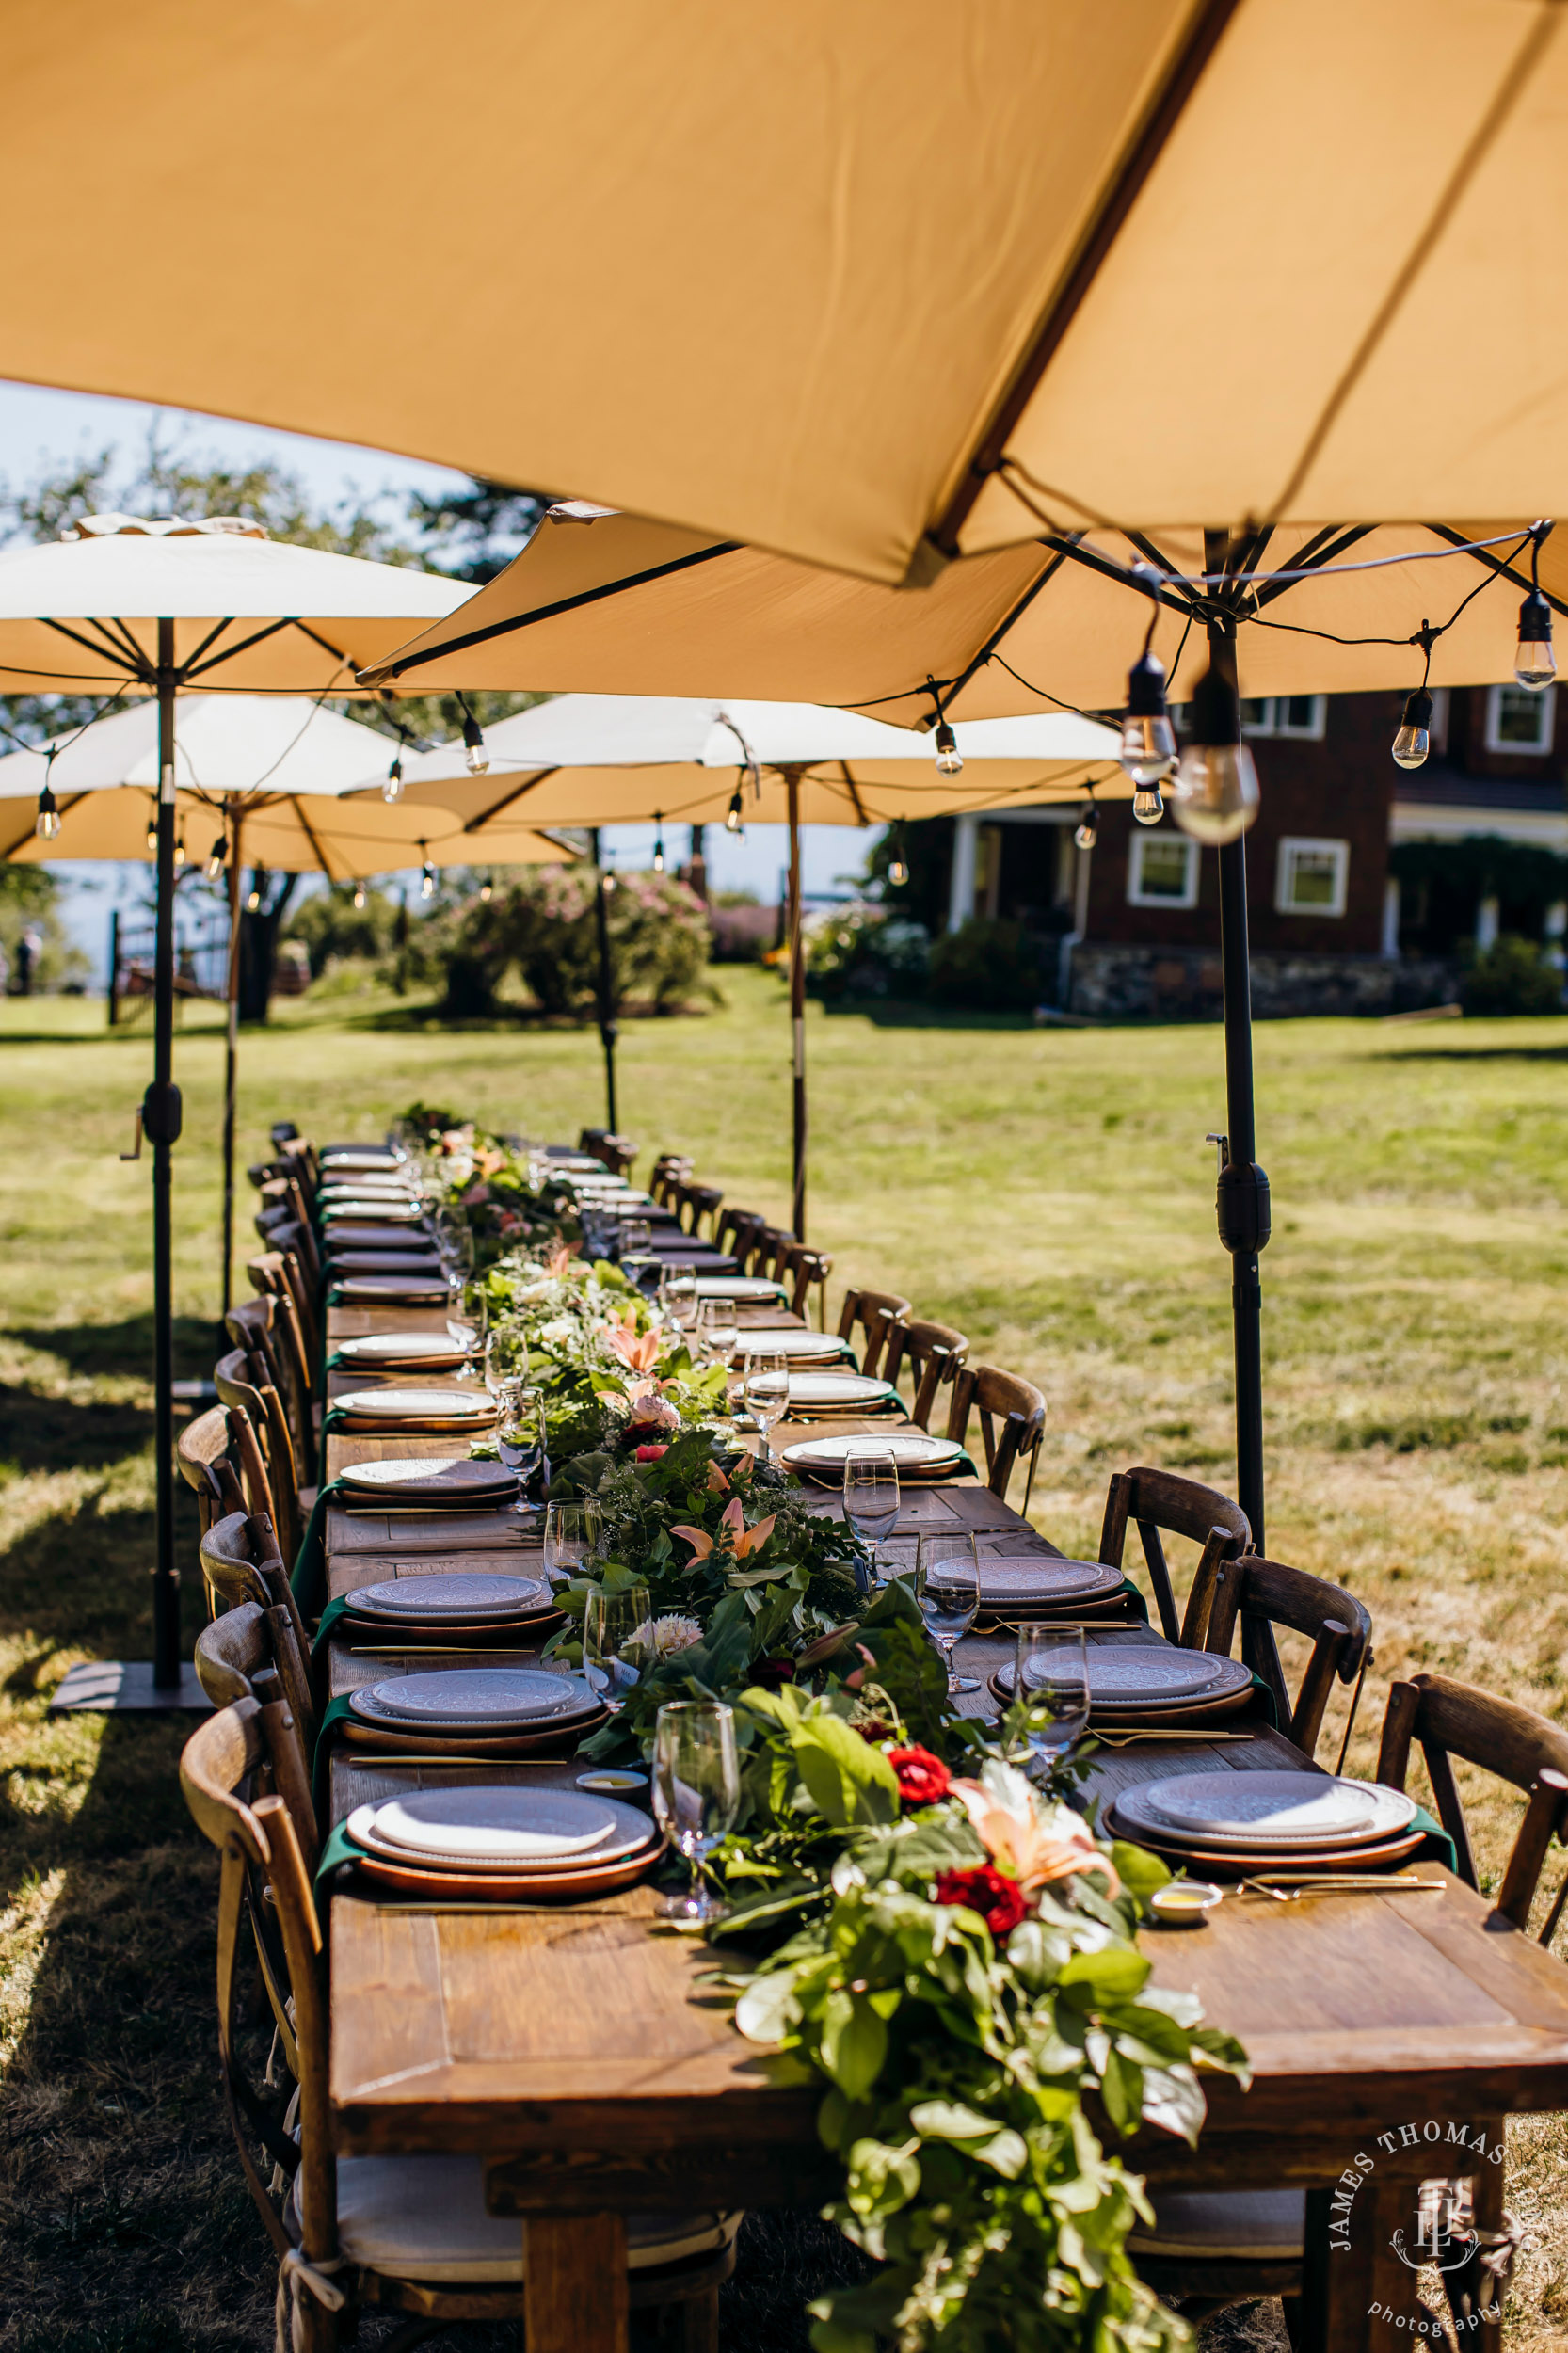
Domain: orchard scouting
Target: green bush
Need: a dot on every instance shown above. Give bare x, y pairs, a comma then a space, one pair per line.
544, 926
987, 965
1511, 977
862, 951
333, 928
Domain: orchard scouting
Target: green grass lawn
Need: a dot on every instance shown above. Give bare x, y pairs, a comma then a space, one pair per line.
1048, 1192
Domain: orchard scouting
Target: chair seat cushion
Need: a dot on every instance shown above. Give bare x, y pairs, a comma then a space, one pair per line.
1224, 2226
424, 2218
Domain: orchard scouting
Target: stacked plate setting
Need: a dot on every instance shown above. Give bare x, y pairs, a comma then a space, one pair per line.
502, 1842
916, 1457
404, 1352
477, 1607
1147, 1682
1034, 1584
745, 1289
363, 1277
1237, 1822
428, 1482
396, 1408
501, 1711
820, 1396
803, 1348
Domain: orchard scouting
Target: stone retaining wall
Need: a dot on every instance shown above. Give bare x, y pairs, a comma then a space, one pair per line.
1112, 983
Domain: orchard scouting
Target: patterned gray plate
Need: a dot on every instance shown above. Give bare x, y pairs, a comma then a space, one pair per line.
501, 1829
470, 1595
471, 1699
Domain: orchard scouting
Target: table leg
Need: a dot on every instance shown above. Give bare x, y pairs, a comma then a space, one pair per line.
574, 2287
1354, 2296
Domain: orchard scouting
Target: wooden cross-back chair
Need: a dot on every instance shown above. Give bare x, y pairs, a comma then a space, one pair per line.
769, 1249
278, 1274
261, 1408
240, 1562
799, 1268
736, 1231
617, 1152
694, 1201
299, 1154
1163, 1501
1338, 1625
204, 1454
1012, 1413
871, 1313
669, 1170
411, 2235
284, 1191
932, 1351
267, 1327
1445, 1720
237, 1659
281, 1231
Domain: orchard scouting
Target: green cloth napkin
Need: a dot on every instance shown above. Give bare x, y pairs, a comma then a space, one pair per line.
308, 1579
1436, 1846
326, 1732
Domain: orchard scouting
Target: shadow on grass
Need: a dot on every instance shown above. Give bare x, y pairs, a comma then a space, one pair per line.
91, 1349
47, 1434
903, 1012
1473, 1053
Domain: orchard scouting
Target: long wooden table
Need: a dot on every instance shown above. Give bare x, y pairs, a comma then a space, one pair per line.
576, 2050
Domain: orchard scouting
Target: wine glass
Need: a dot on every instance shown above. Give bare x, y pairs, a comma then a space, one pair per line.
1051, 1671
571, 1535
468, 1322
617, 1637
766, 1391
870, 1500
697, 1795
946, 1585
718, 1330
678, 1293
506, 1359
519, 1436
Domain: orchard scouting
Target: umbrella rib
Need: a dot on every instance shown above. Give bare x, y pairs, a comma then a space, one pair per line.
210, 638
325, 642
1319, 553
1118, 196
862, 817
550, 612
1061, 549
100, 645
306, 827
195, 666
1500, 564
509, 800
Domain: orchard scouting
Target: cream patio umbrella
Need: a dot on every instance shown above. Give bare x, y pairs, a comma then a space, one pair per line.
1170, 262
603, 600
603, 759
258, 780
123, 606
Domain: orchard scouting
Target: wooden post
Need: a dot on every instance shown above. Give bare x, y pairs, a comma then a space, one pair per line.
797, 1009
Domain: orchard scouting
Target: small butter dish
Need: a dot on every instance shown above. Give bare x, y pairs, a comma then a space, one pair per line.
612, 1782
1184, 1903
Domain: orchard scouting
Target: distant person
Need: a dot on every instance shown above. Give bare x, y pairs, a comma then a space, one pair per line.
27, 955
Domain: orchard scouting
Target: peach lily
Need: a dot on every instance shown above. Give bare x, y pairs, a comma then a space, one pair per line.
1036, 1843
733, 1531
638, 1354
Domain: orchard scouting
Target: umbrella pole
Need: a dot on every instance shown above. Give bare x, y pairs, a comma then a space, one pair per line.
161, 1113
607, 1029
797, 1009
1244, 1189
231, 1066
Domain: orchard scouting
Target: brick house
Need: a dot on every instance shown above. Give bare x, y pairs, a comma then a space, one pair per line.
1365, 880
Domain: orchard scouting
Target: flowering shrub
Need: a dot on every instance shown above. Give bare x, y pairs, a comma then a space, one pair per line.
544, 926
862, 951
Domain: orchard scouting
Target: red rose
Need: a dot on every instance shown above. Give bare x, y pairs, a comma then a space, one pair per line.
772, 1675
650, 1454
999, 1900
922, 1777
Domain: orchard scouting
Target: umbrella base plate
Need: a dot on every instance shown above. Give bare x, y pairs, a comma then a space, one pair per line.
103, 1687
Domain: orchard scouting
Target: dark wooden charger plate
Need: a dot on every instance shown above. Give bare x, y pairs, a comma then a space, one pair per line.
1209, 1863
1150, 1719
562, 1740
471, 1886
389, 1633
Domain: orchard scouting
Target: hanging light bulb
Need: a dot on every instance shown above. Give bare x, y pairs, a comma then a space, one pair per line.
179, 853
1414, 740
1087, 830
151, 837
1147, 806
212, 866
48, 823
1148, 749
253, 902
949, 759
1215, 789
732, 823
477, 757
359, 894
393, 789
426, 876
658, 843
898, 865
1534, 662
486, 888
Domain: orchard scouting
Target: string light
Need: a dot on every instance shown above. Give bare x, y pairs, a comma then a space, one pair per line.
1215, 791
359, 894
732, 823
427, 874
949, 759
1087, 830
254, 903
179, 853
1147, 806
486, 888
658, 843
1534, 662
151, 835
1414, 740
478, 757
47, 825
898, 865
1148, 750
393, 789
214, 859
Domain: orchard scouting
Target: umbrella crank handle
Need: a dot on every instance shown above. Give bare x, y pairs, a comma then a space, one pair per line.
159, 1117
134, 1153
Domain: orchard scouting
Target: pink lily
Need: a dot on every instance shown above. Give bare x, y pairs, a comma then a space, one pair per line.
1035, 1850
638, 1354
732, 1529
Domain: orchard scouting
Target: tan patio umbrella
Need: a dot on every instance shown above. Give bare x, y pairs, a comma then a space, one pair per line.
869, 284
123, 606
599, 600
604, 760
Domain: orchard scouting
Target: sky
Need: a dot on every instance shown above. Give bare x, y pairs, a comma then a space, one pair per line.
43, 431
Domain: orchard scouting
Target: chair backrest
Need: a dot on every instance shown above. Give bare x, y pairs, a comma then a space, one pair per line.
232, 1652
1012, 1413
262, 1408
872, 1313
769, 1250
934, 1353
224, 1762
268, 1328
289, 1233
1337, 1626
696, 1202
278, 1275
617, 1152
800, 1268
1163, 1500
240, 1562
1451, 1719
736, 1229
669, 1170
203, 1453
301, 1153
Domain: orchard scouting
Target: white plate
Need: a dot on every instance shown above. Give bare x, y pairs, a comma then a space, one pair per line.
340, 1238
440, 1476
360, 1156
848, 1389
736, 1287
471, 1697
1022, 1580
498, 1827
470, 1595
415, 1406
404, 1289
909, 1451
373, 1345
1277, 1809
395, 1209
790, 1340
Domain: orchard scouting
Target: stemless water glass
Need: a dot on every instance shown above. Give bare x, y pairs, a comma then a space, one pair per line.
946, 1585
766, 1391
617, 1635
468, 1321
571, 1534
678, 1293
519, 1438
718, 1330
697, 1795
1050, 1670
870, 1500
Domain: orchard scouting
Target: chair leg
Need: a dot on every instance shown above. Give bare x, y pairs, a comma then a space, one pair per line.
699, 2323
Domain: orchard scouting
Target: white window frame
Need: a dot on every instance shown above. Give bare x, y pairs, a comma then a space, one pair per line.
1496, 742
1274, 722
1136, 895
1290, 844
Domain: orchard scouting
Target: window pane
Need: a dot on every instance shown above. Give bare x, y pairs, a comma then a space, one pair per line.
1313, 877
1257, 716
1164, 872
1523, 718
1297, 714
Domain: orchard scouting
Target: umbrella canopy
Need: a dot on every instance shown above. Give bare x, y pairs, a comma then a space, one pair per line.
959, 258
612, 601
